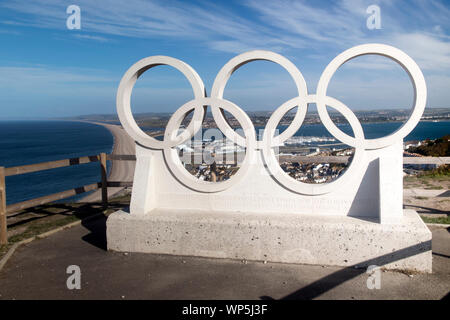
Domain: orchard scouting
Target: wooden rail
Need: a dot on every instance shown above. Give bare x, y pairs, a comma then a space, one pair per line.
117, 184
3, 225
313, 159
304, 159
426, 160
6, 211
344, 159
227, 159
12, 171
124, 157
50, 198
104, 184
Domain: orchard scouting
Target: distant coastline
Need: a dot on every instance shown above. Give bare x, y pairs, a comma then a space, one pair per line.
392, 117
119, 170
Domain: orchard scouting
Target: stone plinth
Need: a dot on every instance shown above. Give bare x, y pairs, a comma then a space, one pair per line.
288, 238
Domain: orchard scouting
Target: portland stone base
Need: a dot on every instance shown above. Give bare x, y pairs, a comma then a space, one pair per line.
286, 238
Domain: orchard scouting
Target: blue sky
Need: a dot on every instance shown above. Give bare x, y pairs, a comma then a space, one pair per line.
47, 70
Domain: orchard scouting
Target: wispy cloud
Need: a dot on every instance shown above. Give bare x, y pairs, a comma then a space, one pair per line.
12, 32
432, 53
321, 24
420, 28
90, 37
406, 24
143, 19
43, 76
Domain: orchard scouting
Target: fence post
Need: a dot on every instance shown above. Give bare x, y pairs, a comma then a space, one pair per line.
3, 225
104, 179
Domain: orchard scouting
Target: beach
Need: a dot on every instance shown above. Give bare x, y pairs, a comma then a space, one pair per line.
122, 171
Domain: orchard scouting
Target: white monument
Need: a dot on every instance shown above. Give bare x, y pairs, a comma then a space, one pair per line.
261, 213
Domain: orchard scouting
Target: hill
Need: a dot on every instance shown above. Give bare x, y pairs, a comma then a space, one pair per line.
434, 148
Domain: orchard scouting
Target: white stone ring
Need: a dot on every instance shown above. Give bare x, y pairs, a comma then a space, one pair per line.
282, 177
218, 105
234, 64
174, 162
124, 97
411, 68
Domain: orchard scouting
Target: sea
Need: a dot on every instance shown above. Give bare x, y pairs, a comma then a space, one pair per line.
28, 142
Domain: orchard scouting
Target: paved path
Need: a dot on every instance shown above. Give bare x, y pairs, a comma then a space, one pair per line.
122, 171
38, 271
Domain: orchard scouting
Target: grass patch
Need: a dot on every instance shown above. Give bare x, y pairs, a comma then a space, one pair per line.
441, 220
434, 187
439, 172
430, 180
42, 227
36, 229
4, 249
121, 199
420, 198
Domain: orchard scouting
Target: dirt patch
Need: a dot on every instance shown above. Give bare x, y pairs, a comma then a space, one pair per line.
428, 206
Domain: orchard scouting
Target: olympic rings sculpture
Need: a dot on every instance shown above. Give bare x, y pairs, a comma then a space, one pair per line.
172, 138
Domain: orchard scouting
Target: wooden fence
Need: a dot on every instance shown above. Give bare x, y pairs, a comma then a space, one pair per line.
6, 211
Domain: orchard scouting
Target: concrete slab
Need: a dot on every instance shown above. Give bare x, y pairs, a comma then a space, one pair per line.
275, 237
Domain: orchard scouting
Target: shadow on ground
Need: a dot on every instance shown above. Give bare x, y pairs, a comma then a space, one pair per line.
97, 227
426, 210
36, 220
333, 280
